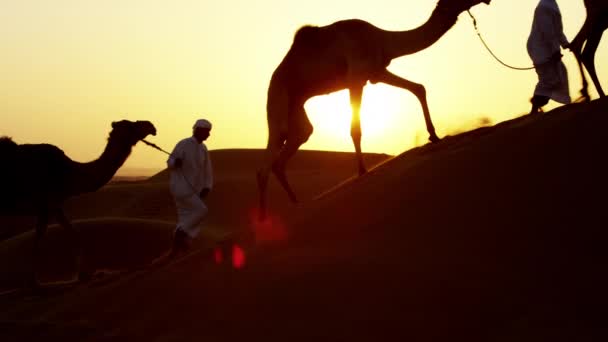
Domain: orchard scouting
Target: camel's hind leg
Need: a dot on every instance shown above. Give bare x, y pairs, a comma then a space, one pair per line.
585, 89
588, 58
417, 89
277, 108
273, 148
299, 131
278, 152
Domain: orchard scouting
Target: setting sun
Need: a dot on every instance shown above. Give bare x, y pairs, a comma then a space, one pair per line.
107, 61
380, 109
189, 170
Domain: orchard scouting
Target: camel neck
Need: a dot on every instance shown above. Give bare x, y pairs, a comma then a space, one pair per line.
95, 174
401, 43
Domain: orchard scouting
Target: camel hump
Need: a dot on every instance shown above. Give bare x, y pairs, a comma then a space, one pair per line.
307, 36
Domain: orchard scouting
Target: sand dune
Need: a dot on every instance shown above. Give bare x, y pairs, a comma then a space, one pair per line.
311, 172
108, 243
139, 217
493, 235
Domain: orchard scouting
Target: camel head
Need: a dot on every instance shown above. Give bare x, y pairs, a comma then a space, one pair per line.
130, 132
459, 6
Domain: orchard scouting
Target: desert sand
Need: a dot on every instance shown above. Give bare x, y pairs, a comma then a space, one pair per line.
497, 234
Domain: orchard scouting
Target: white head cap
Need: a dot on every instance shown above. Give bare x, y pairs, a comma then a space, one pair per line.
202, 123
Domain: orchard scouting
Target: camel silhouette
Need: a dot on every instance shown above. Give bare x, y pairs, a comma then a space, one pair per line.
38, 178
585, 43
343, 55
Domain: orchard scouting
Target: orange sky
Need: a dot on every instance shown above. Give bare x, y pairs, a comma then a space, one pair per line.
71, 67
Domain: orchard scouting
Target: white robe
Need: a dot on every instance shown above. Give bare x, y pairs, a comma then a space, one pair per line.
187, 182
544, 43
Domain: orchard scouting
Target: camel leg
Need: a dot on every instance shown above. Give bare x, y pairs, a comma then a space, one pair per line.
356, 94
275, 143
588, 58
77, 243
299, 131
585, 88
278, 168
277, 116
41, 226
417, 89
576, 46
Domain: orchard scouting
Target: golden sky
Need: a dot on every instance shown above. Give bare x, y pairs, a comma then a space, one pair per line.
71, 67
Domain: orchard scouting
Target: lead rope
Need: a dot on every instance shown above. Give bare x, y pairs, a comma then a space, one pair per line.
490, 50
155, 146
583, 96
169, 154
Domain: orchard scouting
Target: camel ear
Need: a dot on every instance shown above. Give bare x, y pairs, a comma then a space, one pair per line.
113, 124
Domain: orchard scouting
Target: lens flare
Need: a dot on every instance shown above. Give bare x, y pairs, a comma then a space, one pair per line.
271, 229
238, 257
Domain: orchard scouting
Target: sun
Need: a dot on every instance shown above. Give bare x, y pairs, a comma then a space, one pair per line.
379, 109
332, 113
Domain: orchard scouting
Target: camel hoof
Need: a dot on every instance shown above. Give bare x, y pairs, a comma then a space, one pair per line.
585, 97
434, 139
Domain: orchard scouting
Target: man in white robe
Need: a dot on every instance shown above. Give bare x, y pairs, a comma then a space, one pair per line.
191, 179
544, 43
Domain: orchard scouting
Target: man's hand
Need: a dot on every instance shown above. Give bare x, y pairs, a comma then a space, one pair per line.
556, 56
204, 193
177, 163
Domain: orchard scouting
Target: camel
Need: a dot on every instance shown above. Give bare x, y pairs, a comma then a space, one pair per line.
585, 43
38, 178
343, 55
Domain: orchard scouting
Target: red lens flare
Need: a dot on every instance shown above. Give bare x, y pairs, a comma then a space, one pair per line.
234, 254
271, 229
238, 257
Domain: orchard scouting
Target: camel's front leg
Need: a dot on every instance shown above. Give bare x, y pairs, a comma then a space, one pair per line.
41, 226
417, 89
356, 94
77, 243
576, 46
588, 58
